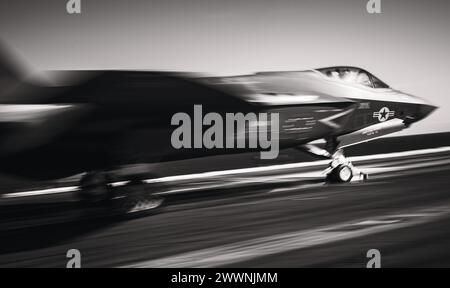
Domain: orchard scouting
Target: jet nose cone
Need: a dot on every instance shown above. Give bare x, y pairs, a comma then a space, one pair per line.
426, 110
420, 113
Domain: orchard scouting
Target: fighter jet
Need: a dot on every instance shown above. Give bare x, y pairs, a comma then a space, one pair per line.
106, 120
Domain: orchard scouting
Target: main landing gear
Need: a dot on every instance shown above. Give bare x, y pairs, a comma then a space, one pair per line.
126, 198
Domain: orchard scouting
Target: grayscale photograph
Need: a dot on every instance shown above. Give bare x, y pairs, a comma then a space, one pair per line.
224, 134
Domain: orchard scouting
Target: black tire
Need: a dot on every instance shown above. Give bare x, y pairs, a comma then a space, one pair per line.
344, 173
95, 188
341, 174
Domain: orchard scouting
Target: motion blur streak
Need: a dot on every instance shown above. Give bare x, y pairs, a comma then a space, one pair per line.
265, 246
41, 192
317, 172
28, 112
403, 213
299, 165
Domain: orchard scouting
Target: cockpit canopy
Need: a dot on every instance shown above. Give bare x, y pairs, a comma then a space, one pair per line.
353, 75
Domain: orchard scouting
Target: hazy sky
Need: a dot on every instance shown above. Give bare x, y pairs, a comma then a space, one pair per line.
407, 45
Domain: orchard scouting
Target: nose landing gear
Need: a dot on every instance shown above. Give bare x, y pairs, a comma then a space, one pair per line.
341, 170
